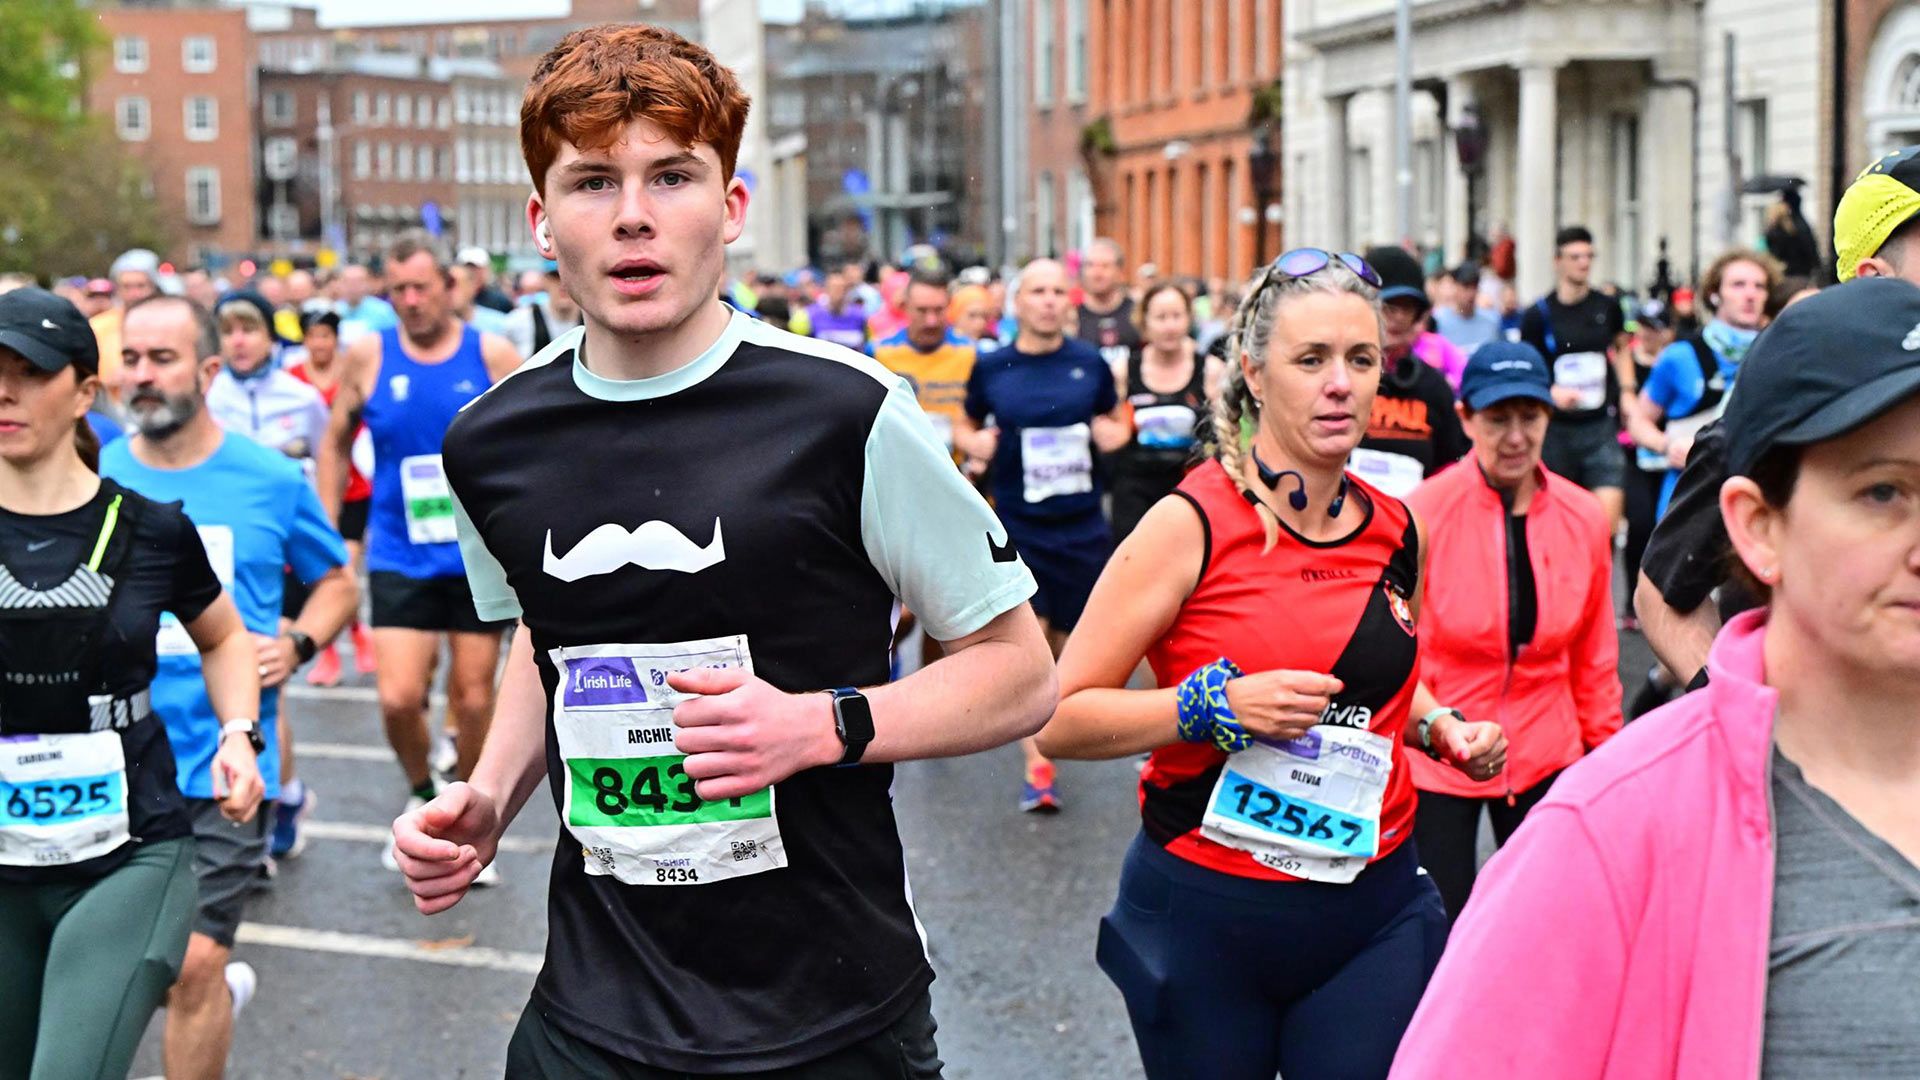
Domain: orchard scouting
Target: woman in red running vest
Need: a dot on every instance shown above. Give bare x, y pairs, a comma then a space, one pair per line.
1272, 914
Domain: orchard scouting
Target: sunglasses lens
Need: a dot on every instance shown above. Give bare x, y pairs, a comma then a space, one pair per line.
1361, 269
1301, 261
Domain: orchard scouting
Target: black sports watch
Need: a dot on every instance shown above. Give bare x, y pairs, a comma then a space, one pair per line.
303, 646
852, 721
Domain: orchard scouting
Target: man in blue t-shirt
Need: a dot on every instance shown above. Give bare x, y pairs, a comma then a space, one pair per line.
1692, 377
257, 516
1051, 405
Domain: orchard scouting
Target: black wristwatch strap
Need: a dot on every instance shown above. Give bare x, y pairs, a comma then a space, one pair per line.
303, 647
852, 721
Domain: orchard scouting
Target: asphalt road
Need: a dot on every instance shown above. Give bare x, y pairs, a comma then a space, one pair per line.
355, 984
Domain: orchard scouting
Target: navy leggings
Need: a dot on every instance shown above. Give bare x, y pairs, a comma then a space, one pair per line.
1228, 977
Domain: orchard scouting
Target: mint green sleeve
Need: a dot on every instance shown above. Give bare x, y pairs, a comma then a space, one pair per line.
493, 598
928, 532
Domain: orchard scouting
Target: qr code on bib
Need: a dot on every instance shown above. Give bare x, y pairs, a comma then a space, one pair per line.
601, 855
745, 849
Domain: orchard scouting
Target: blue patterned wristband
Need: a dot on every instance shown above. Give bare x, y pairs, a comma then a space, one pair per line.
1205, 716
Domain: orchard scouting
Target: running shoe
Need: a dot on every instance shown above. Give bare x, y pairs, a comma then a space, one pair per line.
363, 658
242, 981
387, 857
292, 808
1036, 791
326, 668
446, 757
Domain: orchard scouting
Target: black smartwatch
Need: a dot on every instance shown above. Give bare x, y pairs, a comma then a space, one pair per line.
251, 731
303, 647
852, 721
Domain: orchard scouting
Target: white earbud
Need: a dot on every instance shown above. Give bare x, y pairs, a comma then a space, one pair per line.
545, 236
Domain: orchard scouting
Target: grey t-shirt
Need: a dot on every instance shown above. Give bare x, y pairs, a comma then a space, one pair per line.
1843, 966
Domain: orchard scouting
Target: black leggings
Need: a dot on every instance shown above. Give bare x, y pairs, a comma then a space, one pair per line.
1232, 978
1643, 502
1447, 828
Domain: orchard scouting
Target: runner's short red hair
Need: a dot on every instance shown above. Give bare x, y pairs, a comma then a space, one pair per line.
587, 88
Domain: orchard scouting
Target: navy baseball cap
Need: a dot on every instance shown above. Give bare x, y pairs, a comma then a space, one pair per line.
1502, 370
48, 330
1829, 364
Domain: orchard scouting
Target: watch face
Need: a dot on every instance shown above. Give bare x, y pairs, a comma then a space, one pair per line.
853, 719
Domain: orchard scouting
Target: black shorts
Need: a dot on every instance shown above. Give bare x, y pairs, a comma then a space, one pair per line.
227, 857
293, 595
439, 605
353, 519
540, 1050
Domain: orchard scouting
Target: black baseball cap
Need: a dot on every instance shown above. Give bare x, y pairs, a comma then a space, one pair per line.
1502, 370
48, 330
1466, 274
1827, 365
1400, 275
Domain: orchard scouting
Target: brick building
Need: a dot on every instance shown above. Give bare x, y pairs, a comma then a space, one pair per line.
356, 153
178, 87
1145, 114
1060, 203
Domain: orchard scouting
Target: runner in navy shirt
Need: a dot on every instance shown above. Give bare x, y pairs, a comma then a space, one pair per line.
1038, 411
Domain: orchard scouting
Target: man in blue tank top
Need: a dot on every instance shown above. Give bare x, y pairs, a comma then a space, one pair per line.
406, 383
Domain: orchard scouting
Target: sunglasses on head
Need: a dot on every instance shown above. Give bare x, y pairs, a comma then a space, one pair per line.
1303, 261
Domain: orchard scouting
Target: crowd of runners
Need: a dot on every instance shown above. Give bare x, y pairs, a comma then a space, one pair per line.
1331, 553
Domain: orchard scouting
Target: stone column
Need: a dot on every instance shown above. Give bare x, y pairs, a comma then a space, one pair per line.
1667, 155
1339, 222
1453, 185
1533, 207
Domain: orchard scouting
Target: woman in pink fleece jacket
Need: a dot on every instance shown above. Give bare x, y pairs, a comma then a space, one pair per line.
1729, 887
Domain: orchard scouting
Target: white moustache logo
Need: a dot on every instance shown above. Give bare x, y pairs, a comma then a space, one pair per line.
655, 545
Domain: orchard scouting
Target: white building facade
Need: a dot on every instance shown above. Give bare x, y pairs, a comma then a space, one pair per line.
1610, 114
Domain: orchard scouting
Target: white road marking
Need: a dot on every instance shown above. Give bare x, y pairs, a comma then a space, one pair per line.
334, 941
383, 834
342, 751
359, 695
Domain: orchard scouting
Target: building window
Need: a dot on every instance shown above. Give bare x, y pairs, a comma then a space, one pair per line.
282, 109
1043, 205
1079, 211
462, 107
203, 195
382, 108
403, 164
280, 157
203, 118
1750, 138
443, 114
1043, 23
1077, 51
129, 54
132, 118
463, 161
362, 159
424, 163
359, 106
403, 111
197, 55
383, 161
423, 111
789, 109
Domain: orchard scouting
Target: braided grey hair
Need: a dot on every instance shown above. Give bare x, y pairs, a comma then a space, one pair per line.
1236, 412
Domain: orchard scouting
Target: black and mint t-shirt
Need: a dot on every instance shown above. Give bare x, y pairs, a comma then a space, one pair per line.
768, 504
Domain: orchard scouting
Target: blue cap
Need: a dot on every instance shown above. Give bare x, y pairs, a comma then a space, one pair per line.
1501, 370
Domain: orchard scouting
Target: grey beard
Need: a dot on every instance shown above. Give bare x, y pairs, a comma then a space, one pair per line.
164, 419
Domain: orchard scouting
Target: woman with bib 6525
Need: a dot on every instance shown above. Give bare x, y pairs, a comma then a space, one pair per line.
1272, 916
97, 890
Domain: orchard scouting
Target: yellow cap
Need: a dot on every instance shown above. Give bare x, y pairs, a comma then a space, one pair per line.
1885, 196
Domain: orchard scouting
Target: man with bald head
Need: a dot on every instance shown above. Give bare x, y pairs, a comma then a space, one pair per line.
1106, 314
1036, 412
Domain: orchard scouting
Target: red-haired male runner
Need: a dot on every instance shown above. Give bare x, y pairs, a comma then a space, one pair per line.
704, 526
